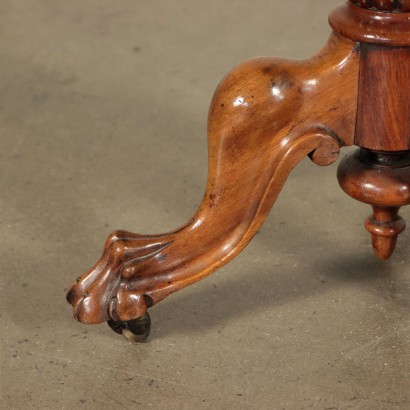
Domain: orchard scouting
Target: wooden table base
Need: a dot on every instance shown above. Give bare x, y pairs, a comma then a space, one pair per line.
266, 116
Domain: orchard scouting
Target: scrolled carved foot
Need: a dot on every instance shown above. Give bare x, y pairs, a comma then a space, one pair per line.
265, 117
103, 293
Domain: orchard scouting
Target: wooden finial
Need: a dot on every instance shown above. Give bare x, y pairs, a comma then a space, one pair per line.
385, 225
383, 181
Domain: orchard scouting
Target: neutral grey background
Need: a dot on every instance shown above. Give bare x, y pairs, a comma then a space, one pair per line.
103, 126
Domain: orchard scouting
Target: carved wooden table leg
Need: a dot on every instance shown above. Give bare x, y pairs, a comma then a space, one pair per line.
266, 116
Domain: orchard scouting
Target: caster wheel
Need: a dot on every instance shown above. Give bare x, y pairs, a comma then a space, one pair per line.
136, 330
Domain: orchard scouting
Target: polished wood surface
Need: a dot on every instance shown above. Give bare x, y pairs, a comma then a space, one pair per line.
266, 116
383, 120
385, 225
379, 174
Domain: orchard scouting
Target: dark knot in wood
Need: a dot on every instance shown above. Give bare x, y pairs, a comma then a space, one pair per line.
384, 5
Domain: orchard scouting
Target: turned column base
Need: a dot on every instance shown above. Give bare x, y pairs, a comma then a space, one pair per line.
382, 180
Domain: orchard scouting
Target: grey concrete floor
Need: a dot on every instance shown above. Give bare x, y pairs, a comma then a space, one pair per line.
103, 126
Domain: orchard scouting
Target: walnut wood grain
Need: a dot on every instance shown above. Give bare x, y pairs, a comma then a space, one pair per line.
383, 122
266, 116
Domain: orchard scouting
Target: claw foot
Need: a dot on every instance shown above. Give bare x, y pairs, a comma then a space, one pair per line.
102, 293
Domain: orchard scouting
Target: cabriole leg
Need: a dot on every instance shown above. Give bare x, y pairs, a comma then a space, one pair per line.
266, 116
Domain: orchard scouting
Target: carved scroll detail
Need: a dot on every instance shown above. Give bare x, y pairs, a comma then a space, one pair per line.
265, 117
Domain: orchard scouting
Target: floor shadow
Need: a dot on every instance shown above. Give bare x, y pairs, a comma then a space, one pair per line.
240, 294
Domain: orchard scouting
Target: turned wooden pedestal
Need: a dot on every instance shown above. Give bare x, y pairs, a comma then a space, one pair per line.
266, 116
